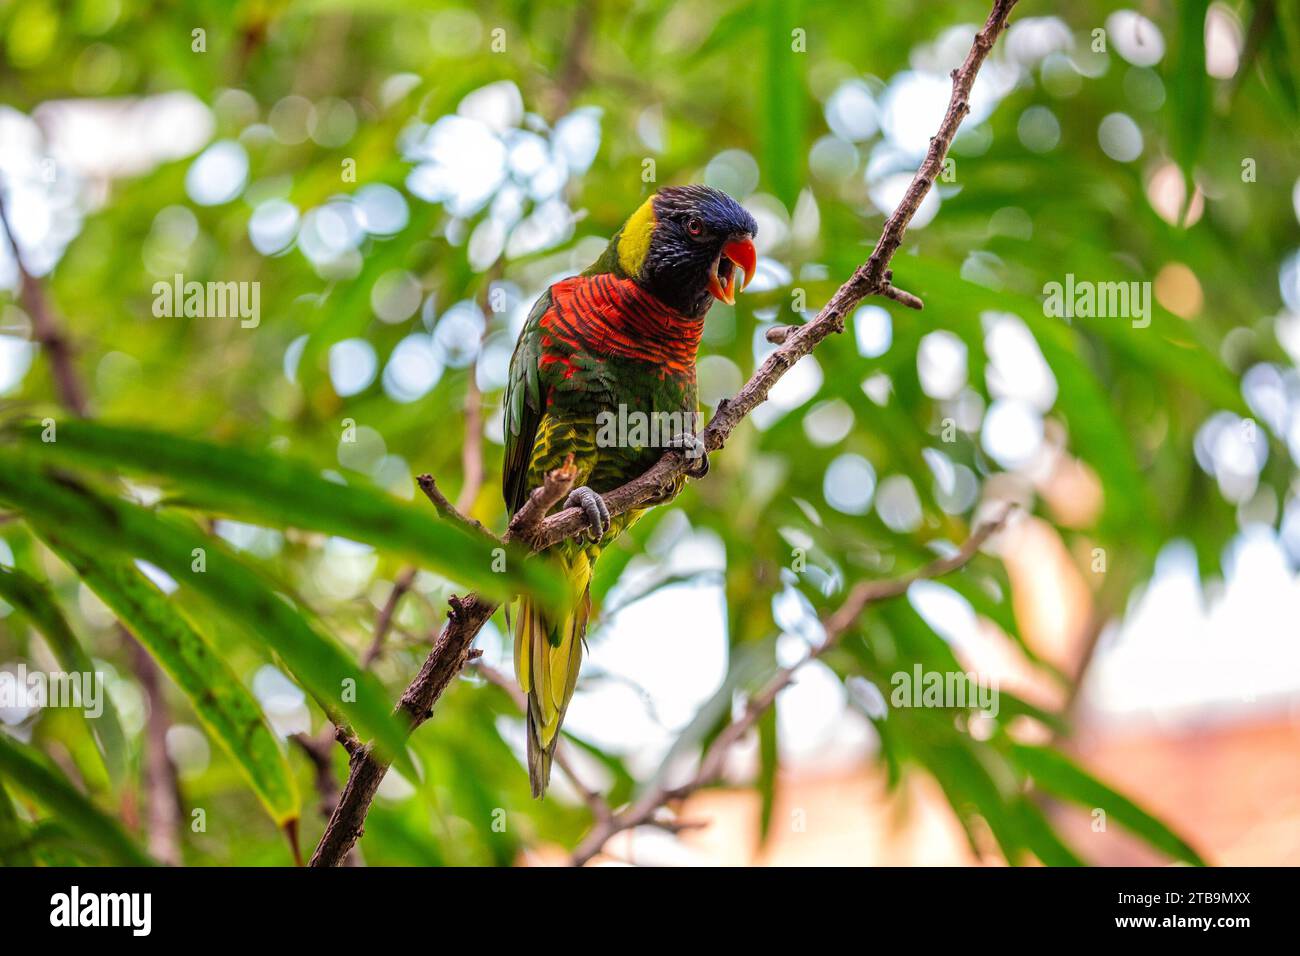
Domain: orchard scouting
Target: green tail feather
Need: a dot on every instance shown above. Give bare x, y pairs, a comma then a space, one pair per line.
548, 655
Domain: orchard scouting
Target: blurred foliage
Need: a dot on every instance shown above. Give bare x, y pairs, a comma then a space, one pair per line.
312, 92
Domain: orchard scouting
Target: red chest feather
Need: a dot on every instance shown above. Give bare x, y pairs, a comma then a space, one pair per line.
606, 316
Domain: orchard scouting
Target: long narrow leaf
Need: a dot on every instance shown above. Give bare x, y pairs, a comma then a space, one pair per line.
34, 600
14, 849
969, 787
92, 521
270, 488
1056, 774
24, 767
1189, 93
1041, 838
220, 701
768, 759
783, 100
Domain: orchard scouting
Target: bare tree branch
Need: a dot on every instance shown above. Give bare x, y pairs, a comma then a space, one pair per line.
449, 654
530, 523
530, 519
445, 508
45, 324
905, 298
320, 751
384, 622
471, 453
161, 784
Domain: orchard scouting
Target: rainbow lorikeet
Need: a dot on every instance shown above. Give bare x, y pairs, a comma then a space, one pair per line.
616, 343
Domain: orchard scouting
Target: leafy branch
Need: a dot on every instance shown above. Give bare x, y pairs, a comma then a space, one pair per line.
531, 526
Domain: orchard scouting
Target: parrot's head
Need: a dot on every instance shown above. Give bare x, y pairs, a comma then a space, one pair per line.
688, 245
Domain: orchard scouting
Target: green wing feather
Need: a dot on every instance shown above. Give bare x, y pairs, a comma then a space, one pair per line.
524, 404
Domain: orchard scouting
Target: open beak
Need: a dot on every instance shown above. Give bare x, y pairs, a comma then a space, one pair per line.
738, 255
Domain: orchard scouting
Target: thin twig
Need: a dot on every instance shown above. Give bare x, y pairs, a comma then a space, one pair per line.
384, 622
777, 334
46, 327
320, 751
366, 770
906, 298
530, 523
471, 453
445, 508
162, 787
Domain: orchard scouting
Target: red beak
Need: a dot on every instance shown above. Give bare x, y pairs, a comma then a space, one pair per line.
738, 255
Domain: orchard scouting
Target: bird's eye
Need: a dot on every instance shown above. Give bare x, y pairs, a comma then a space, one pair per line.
694, 226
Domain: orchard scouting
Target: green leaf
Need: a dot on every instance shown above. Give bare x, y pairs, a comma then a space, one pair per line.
783, 99
975, 776
1010, 706
268, 488
969, 786
767, 767
34, 600
1189, 93
91, 521
14, 847
1056, 774
622, 783
55, 845
26, 768
1041, 838
223, 705
1284, 54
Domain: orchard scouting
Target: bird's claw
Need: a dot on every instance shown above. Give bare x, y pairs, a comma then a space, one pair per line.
594, 507
692, 446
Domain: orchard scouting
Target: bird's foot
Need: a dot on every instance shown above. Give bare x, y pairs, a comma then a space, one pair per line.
594, 507
697, 457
